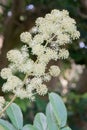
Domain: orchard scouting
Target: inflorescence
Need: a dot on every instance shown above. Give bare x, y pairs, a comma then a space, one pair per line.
53, 31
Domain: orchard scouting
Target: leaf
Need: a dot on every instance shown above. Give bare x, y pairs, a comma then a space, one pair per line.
51, 120
66, 128
6, 125
40, 121
29, 127
1, 128
15, 115
59, 109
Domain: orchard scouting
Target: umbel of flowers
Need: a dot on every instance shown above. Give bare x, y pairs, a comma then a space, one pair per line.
53, 31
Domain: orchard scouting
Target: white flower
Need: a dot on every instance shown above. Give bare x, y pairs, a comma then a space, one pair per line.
39, 69
38, 39
15, 56
12, 83
30, 88
6, 87
44, 58
47, 77
24, 51
48, 55
51, 32
25, 37
26, 67
33, 30
35, 82
63, 54
21, 93
42, 89
54, 71
6, 73
38, 49
63, 39
2, 102
39, 21
13, 67
51, 54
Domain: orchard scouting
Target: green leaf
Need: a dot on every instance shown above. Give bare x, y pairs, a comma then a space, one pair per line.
59, 109
15, 115
51, 120
29, 127
6, 125
1, 128
40, 121
66, 128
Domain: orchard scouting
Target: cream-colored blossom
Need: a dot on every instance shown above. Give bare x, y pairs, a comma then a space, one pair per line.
25, 37
24, 52
42, 89
54, 71
39, 69
47, 77
13, 67
35, 82
26, 67
38, 50
63, 54
12, 83
38, 39
21, 93
52, 31
2, 102
15, 56
39, 21
51, 54
63, 39
6, 73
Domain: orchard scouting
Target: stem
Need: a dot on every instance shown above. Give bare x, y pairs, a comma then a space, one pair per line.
12, 100
49, 40
14, 97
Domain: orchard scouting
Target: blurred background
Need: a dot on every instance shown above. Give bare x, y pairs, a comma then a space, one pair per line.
17, 16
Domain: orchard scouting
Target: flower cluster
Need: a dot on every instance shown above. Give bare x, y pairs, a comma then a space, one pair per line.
2, 102
53, 32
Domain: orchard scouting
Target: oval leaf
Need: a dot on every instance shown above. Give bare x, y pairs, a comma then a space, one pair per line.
29, 127
6, 125
66, 128
1, 128
59, 109
15, 115
40, 121
51, 119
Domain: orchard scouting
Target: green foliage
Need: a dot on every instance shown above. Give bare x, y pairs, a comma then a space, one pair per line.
40, 121
58, 108
29, 127
55, 118
66, 128
51, 120
6, 125
15, 115
1, 128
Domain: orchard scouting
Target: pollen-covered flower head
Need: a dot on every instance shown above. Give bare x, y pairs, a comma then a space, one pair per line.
25, 37
28, 69
6, 73
2, 102
54, 71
